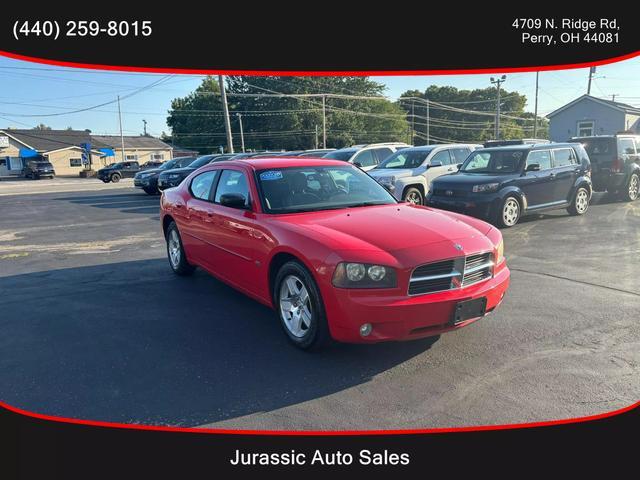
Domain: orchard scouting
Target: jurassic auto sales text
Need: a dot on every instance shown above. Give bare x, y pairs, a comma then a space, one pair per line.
318, 457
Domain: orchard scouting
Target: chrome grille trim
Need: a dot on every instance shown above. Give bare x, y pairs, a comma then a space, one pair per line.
464, 271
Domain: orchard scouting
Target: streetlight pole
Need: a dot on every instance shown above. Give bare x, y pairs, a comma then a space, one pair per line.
497, 82
535, 113
324, 122
241, 132
225, 107
121, 136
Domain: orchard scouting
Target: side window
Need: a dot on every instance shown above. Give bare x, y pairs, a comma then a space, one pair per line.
626, 146
232, 181
201, 185
563, 157
638, 144
443, 157
383, 153
366, 158
541, 157
460, 154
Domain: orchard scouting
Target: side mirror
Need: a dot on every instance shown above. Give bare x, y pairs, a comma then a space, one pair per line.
233, 200
533, 167
435, 164
459, 166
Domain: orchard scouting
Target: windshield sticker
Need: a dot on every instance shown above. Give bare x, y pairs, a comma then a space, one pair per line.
271, 175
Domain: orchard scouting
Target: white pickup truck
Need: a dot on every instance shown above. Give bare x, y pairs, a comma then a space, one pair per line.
408, 173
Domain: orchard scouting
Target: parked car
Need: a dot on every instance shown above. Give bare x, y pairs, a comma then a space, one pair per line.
315, 153
151, 164
615, 163
408, 173
148, 179
503, 183
332, 251
366, 156
116, 171
172, 177
514, 141
36, 169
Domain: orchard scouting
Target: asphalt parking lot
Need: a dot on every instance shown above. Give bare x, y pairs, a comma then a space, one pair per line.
95, 326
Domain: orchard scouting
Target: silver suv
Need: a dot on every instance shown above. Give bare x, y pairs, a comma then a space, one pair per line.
408, 173
366, 156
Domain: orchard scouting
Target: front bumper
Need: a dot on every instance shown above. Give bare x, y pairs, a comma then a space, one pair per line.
145, 182
164, 183
483, 206
406, 317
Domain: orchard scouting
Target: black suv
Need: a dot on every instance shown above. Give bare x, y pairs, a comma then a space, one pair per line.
38, 168
501, 184
615, 160
148, 179
116, 171
173, 177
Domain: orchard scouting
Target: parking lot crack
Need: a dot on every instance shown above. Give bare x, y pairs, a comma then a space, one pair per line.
582, 282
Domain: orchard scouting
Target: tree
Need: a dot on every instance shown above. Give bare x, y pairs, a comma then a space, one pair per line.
290, 123
465, 115
41, 126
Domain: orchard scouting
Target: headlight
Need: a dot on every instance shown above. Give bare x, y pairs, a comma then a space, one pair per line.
387, 180
500, 252
486, 187
364, 275
144, 175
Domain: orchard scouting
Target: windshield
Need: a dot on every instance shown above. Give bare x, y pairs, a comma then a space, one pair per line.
168, 165
497, 161
344, 155
201, 161
115, 165
309, 189
406, 159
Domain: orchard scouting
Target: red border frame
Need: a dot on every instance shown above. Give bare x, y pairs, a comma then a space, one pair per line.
318, 73
187, 71
223, 431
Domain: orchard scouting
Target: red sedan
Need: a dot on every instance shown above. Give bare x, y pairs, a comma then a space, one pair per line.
332, 251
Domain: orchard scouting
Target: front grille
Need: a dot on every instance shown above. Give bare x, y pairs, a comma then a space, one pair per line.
450, 274
449, 192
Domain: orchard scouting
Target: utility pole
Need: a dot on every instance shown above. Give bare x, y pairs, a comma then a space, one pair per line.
145, 126
592, 70
428, 124
324, 122
413, 119
225, 107
497, 82
613, 97
241, 132
316, 136
535, 113
121, 136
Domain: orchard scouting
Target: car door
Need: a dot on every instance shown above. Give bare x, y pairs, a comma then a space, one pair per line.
566, 171
237, 236
538, 186
443, 157
198, 219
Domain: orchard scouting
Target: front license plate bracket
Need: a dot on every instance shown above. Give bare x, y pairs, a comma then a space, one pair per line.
469, 309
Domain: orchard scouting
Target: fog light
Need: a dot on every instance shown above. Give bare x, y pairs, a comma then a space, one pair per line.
365, 329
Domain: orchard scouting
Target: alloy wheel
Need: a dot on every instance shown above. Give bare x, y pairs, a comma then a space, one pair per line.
414, 198
582, 201
295, 306
174, 249
511, 212
634, 187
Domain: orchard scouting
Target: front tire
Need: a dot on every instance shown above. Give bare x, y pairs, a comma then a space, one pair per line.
632, 191
175, 252
580, 203
149, 191
413, 195
510, 212
299, 306
115, 178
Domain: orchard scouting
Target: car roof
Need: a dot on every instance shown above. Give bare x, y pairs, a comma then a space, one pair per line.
284, 162
529, 146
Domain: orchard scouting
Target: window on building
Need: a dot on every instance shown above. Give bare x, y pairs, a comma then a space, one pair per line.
75, 162
131, 157
585, 129
157, 156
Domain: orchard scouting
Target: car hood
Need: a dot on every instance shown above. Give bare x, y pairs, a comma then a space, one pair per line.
408, 230
155, 171
391, 172
184, 171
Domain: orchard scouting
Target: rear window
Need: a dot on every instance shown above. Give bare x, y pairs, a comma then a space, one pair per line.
344, 155
599, 146
626, 146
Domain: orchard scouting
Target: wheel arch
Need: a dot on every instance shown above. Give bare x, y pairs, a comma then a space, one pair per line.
165, 224
276, 262
515, 192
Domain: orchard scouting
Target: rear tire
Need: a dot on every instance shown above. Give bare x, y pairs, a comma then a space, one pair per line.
510, 212
175, 252
580, 203
115, 178
299, 306
413, 195
632, 191
149, 191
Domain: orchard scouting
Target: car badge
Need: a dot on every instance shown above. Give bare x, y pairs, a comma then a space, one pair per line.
448, 193
457, 246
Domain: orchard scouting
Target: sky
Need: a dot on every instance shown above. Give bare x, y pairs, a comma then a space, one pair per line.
32, 93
